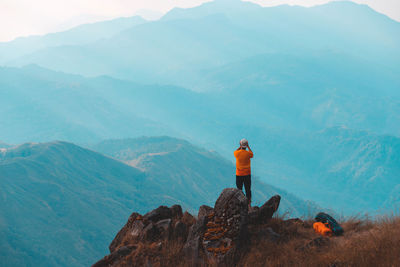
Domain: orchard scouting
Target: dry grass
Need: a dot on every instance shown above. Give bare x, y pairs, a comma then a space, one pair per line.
364, 243
155, 254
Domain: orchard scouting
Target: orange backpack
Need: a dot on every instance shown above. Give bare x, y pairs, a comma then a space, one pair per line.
322, 228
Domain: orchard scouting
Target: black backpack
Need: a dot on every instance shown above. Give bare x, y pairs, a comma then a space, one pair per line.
333, 224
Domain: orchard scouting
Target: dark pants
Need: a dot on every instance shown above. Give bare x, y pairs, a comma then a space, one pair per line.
246, 180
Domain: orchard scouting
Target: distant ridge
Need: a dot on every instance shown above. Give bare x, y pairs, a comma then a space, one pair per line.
4, 145
79, 35
240, 30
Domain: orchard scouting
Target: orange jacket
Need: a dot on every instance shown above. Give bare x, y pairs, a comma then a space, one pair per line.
322, 229
243, 162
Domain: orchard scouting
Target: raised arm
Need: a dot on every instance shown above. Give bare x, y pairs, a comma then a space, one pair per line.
249, 148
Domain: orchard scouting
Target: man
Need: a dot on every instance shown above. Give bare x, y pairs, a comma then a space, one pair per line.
243, 170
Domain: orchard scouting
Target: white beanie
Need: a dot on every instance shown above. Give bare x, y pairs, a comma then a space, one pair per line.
243, 142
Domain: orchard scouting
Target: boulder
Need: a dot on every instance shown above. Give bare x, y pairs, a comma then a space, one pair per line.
117, 241
176, 211
219, 236
180, 231
265, 212
192, 253
115, 257
150, 233
164, 228
198, 228
226, 229
160, 213
204, 211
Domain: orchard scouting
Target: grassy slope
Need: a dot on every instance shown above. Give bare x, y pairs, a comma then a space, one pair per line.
62, 204
365, 243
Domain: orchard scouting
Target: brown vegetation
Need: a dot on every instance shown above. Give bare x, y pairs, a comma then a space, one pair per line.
364, 243
231, 235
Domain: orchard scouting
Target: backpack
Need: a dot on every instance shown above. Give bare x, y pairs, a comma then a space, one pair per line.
322, 229
333, 224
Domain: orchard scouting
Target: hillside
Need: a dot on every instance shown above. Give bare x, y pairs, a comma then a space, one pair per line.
43, 105
81, 197
53, 197
230, 234
196, 176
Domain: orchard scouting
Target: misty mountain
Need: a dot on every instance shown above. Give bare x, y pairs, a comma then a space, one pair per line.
344, 169
310, 92
182, 41
301, 68
79, 109
282, 77
84, 110
41, 105
82, 34
4, 145
54, 196
62, 204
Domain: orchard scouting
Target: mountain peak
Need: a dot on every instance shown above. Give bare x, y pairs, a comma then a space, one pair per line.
218, 235
231, 234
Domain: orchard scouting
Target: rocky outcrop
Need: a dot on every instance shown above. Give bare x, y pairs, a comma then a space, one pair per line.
218, 236
265, 212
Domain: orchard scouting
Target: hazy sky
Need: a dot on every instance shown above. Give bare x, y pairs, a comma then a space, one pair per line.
27, 17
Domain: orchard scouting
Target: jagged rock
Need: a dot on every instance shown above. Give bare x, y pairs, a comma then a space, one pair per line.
192, 252
266, 211
123, 232
164, 227
158, 214
218, 237
188, 219
151, 233
226, 232
114, 257
204, 211
198, 228
136, 228
180, 231
176, 211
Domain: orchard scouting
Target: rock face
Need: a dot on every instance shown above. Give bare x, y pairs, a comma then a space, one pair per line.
265, 212
226, 228
219, 236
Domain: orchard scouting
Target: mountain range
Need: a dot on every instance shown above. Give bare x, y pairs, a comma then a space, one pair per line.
240, 30
87, 110
80, 35
314, 90
58, 191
